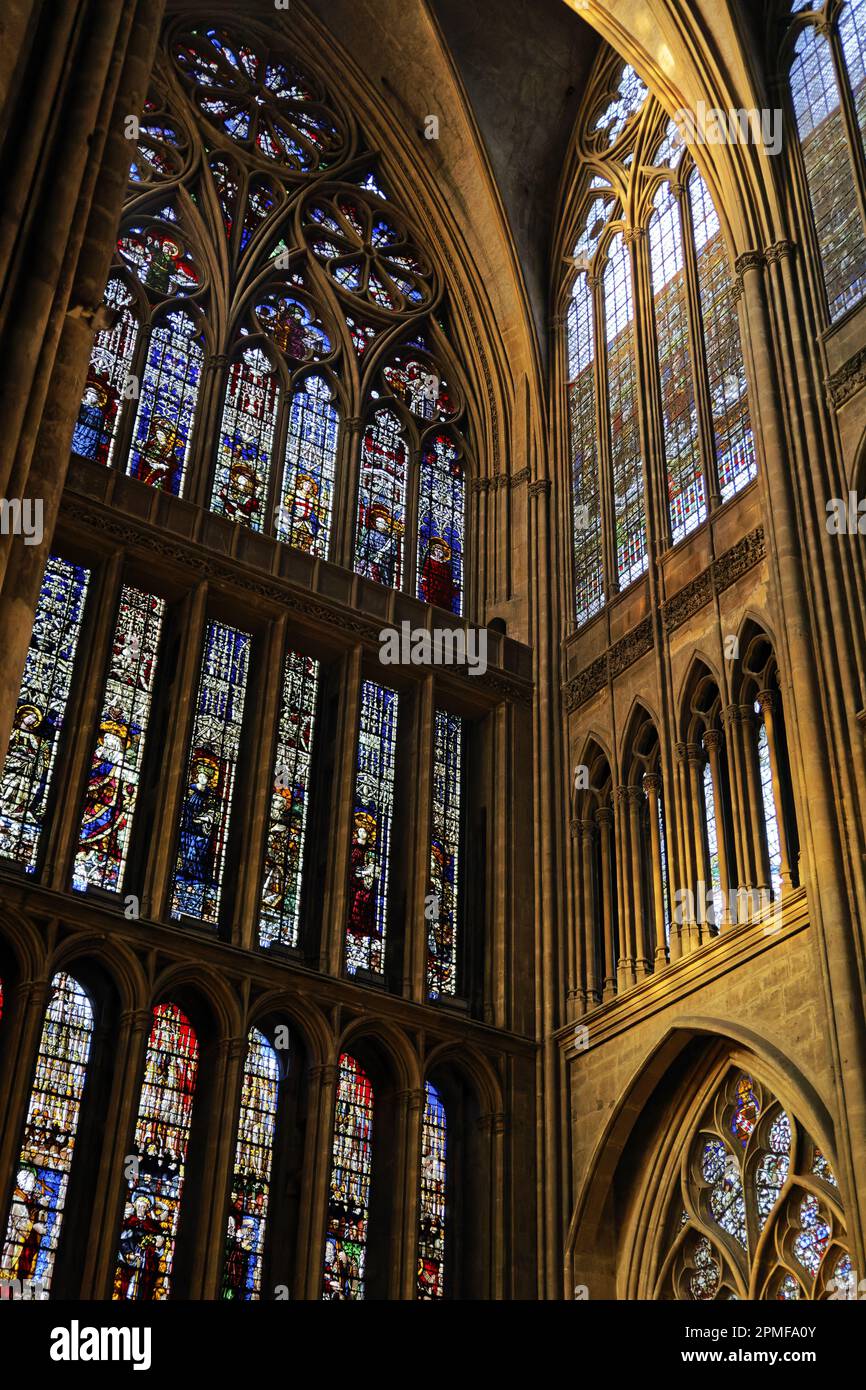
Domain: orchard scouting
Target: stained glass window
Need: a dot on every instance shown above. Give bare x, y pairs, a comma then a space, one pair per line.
280, 916
705, 1280
305, 514
747, 1108
115, 764
715, 864
169, 393
852, 36
726, 371
663, 852
262, 199
773, 1168
431, 1235
440, 525
95, 431
251, 1178
771, 819
419, 386
810, 1245
631, 94
349, 1199
160, 258
297, 331
227, 184
445, 855
686, 494
586, 502
155, 1181
246, 440
827, 162
38, 720
212, 767
721, 1172
381, 521
371, 830
631, 551
45, 1158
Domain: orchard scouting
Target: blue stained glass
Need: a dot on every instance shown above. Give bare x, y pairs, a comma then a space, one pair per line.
95, 431
431, 1235
371, 830
30, 758
631, 551
212, 766
305, 513
246, 440
771, 819
586, 502
440, 525
445, 855
381, 521
251, 1178
45, 1158
169, 394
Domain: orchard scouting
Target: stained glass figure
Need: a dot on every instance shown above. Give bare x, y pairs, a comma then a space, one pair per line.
721, 1172
251, 1176
246, 440
367, 253
440, 524
768, 798
420, 386
371, 830
732, 427
705, 1281
789, 1289
115, 765
227, 184
821, 1169
586, 502
263, 197
294, 326
431, 1234
631, 550
212, 767
362, 334
155, 1185
45, 1158
828, 166
263, 102
166, 410
95, 431
30, 758
305, 513
160, 258
349, 1199
810, 1245
280, 916
747, 1108
445, 855
159, 152
381, 521
687, 500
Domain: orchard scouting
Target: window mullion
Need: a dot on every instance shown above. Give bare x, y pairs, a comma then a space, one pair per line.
605, 466
703, 400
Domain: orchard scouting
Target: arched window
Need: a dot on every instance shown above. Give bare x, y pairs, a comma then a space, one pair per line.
305, 516
156, 1176
251, 1176
440, 524
825, 51
381, 521
445, 857
279, 921
115, 766
211, 769
245, 447
162, 436
432, 1222
108, 378
31, 756
598, 948
768, 806
45, 1158
650, 275
371, 830
753, 1168
704, 755
349, 1199
767, 768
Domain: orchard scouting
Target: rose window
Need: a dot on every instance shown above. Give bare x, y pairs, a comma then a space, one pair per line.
366, 252
266, 105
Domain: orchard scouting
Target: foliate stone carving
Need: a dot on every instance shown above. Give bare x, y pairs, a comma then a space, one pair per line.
631, 647
480, 485
612, 663
586, 683
749, 260
779, 251
516, 479
720, 575
848, 380
540, 487
688, 600
652, 783
713, 739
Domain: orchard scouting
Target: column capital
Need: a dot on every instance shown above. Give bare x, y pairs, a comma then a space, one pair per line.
493, 1122
749, 260
767, 700
326, 1073
652, 782
604, 815
780, 251
713, 739
137, 1020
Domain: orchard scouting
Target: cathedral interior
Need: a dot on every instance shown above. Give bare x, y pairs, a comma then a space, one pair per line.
433, 631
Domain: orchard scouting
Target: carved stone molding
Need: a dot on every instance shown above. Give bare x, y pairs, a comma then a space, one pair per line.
517, 478
720, 575
779, 251
713, 739
540, 488
612, 663
749, 260
631, 647
480, 484
845, 383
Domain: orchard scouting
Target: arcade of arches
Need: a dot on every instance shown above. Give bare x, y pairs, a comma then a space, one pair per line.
527, 975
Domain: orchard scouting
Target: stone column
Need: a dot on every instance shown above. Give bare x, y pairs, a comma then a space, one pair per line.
637, 803
767, 701
699, 930
625, 964
590, 947
713, 740
747, 725
685, 917
652, 786
742, 877
221, 1140
604, 819
578, 993
410, 1116
318, 1159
